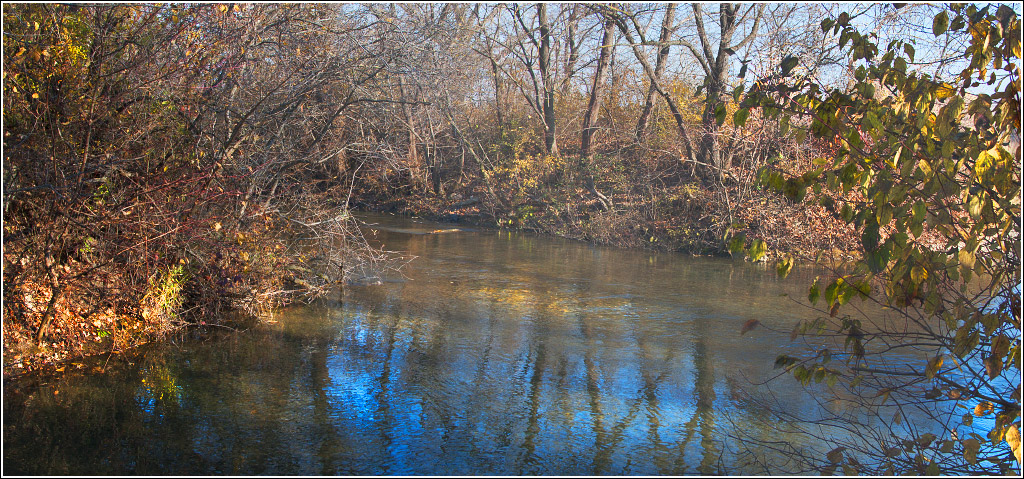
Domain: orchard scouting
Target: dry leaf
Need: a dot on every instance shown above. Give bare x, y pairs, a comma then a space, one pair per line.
1013, 439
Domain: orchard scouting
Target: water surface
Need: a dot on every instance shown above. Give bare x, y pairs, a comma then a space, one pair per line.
491, 353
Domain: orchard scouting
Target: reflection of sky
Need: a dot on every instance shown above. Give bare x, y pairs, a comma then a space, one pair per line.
542, 414
506, 356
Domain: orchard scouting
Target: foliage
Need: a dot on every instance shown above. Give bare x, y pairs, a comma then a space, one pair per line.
142, 142
164, 295
920, 158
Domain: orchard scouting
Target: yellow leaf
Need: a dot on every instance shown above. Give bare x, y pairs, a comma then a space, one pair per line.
979, 30
21, 52
944, 91
918, 274
35, 95
1013, 440
216, 226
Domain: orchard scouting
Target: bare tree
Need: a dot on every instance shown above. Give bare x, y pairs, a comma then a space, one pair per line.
633, 32
667, 28
547, 74
715, 61
596, 92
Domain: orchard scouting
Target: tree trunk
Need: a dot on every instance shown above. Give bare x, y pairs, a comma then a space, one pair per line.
716, 69
672, 106
709, 152
412, 157
544, 54
499, 114
586, 140
659, 70
572, 45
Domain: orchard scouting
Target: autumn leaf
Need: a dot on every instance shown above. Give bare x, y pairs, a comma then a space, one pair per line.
836, 455
971, 448
1013, 440
945, 90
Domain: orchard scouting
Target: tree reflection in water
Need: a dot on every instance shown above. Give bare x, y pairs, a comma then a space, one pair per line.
497, 354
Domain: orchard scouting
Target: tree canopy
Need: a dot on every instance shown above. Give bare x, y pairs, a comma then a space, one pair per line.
929, 171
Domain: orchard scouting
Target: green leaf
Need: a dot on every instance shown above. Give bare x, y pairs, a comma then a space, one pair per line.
909, 50
966, 258
1000, 346
737, 92
737, 242
878, 260
872, 119
795, 189
740, 117
869, 91
918, 274
788, 64
940, 23
832, 291
783, 361
720, 114
757, 250
871, 235
974, 206
814, 292
919, 212
784, 267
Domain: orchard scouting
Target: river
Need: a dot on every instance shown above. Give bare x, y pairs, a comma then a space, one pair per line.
490, 353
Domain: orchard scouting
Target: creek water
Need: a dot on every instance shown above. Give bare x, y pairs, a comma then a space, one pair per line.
490, 353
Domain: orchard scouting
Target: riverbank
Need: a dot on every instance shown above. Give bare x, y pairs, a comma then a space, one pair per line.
448, 360
688, 218
85, 302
